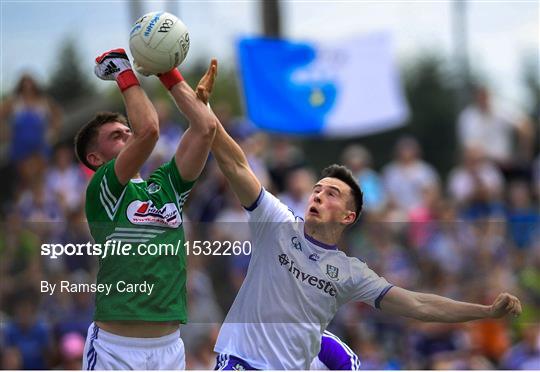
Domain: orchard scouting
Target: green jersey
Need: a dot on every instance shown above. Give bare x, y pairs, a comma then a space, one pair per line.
139, 214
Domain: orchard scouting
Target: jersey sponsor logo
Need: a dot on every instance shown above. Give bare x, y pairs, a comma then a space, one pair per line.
146, 213
318, 283
332, 272
296, 243
153, 188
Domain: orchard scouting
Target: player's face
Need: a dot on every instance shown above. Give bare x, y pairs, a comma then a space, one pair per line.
111, 140
329, 202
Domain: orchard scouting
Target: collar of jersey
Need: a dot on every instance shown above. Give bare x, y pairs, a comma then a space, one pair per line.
137, 180
320, 244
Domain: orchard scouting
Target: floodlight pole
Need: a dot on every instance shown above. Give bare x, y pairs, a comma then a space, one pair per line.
135, 11
271, 18
461, 48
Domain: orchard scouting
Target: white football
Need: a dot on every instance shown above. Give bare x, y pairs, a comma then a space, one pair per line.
159, 42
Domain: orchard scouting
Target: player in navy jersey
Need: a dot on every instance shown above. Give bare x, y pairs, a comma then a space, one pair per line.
297, 278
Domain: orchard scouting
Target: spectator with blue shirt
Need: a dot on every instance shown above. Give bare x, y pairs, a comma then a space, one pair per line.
358, 160
28, 334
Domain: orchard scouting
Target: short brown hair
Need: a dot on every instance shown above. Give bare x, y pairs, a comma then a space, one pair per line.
87, 135
344, 174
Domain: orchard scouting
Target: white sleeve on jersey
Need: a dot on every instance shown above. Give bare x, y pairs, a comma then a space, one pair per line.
268, 208
368, 286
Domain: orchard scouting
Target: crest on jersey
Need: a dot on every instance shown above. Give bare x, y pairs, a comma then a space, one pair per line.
332, 272
153, 188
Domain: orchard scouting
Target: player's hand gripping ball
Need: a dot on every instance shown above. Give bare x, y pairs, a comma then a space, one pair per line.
159, 42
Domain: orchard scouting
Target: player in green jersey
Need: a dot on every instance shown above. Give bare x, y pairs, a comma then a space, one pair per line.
137, 329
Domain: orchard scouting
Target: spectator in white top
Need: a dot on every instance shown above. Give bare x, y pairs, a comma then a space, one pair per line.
65, 179
477, 185
408, 175
490, 127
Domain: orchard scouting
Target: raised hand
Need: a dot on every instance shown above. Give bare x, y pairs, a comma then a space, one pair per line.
111, 64
206, 84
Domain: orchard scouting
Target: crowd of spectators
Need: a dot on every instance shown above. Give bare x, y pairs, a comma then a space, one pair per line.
467, 235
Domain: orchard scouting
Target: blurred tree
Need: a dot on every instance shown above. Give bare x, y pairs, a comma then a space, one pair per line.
69, 83
226, 88
434, 103
531, 77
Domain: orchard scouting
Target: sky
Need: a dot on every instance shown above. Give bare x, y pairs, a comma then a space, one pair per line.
501, 33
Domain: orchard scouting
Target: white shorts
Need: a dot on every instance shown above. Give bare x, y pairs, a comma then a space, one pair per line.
104, 350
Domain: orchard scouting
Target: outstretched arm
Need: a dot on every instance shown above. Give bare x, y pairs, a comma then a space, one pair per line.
231, 159
194, 147
145, 128
433, 308
233, 163
115, 65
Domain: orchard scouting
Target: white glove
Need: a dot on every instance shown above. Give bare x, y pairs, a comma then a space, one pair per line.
111, 64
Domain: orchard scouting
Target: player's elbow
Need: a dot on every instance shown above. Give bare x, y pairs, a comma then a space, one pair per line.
206, 129
238, 170
211, 128
150, 133
421, 309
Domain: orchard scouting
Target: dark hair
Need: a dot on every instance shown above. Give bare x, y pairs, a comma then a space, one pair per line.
35, 86
87, 135
344, 174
